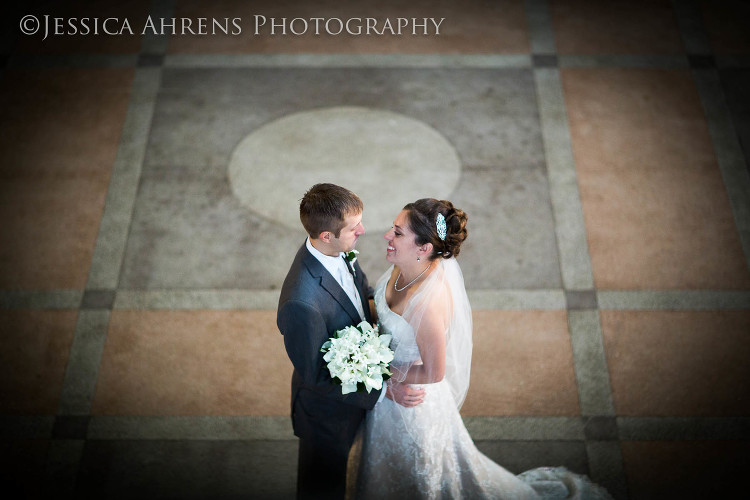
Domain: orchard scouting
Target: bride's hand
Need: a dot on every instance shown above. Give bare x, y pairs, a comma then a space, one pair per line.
404, 394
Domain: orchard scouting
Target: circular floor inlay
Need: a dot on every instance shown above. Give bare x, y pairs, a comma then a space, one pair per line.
386, 158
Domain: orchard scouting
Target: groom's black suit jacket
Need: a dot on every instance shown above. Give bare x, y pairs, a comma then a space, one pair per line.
312, 307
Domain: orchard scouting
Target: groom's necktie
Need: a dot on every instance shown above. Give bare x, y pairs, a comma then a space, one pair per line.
347, 282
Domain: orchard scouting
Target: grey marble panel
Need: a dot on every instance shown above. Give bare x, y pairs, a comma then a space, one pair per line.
606, 467
736, 85
40, 299
79, 383
729, 152
347, 60
189, 231
26, 427
580, 299
700, 300
511, 241
592, 374
208, 428
38, 61
197, 299
98, 299
690, 21
683, 428
517, 299
541, 33
113, 230
490, 115
525, 428
62, 467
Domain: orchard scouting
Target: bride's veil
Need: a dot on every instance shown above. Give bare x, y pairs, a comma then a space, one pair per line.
443, 294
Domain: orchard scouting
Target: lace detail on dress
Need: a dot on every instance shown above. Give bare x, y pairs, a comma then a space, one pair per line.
426, 452
404, 345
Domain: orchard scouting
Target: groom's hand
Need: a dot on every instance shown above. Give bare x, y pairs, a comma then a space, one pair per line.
404, 395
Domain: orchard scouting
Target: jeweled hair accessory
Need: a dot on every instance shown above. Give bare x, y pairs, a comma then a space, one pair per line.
441, 227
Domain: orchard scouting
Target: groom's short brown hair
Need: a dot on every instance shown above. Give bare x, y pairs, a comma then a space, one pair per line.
324, 208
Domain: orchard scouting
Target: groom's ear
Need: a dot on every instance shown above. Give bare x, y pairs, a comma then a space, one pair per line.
325, 236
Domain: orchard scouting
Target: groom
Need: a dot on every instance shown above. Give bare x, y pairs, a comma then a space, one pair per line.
323, 293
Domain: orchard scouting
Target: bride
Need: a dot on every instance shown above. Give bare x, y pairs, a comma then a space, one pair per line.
425, 451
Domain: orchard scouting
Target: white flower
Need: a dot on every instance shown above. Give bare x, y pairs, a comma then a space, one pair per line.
366, 328
357, 356
351, 256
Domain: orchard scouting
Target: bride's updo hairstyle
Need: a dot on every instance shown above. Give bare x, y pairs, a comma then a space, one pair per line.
423, 215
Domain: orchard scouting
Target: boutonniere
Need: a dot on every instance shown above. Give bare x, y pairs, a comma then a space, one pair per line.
351, 258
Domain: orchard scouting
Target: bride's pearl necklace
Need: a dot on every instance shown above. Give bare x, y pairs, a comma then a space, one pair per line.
395, 283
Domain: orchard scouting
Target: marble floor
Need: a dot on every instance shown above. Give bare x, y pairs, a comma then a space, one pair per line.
148, 194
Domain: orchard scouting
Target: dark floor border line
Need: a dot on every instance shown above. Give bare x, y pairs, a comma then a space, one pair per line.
580, 428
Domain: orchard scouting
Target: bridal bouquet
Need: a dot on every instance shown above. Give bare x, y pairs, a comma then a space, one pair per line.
358, 357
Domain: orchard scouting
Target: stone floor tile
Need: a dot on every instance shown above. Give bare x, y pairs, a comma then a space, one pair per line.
34, 349
684, 469
522, 365
669, 363
193, 363
636, 27
188, 469
655, 206
189, 231
511, 243
53, 195
726, 26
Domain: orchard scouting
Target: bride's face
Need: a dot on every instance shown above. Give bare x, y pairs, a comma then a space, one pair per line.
401, 241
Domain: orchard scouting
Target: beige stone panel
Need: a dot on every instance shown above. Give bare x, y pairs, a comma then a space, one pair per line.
34, 351
193, 363
473, 27
678, 363
656, 211
58, 139
522, 365
632, 27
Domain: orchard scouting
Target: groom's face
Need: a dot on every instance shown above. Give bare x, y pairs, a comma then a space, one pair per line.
348, 236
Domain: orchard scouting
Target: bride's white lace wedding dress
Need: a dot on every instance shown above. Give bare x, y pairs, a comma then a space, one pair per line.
426, 452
